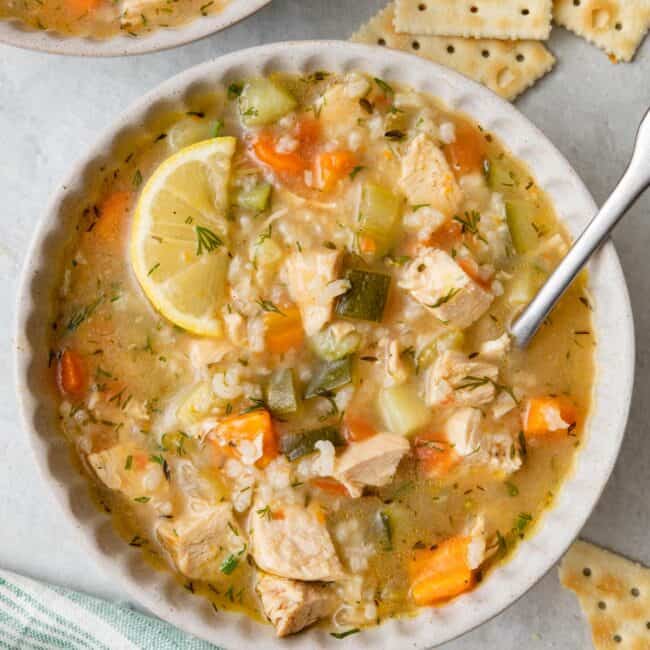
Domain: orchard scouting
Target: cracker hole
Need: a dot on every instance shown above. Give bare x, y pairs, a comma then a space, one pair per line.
451, 49
647, 625
485, 54
422, 6
618, 27
576, 3
520, 58
617, 638
381, 41
415, 45
474, 9
525, 12
586, 572
602, 604
635, 592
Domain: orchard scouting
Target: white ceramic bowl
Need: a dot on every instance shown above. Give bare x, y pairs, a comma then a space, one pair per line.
13, 32
157, 591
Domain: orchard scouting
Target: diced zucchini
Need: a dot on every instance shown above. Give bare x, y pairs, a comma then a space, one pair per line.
366, 297
296, 445
402, 409
379, 218
499, 177
197, 404
263, 102
281, 394
452, 339
520, 216
255, 199
525, 284
329, 377
330, 347
189, 130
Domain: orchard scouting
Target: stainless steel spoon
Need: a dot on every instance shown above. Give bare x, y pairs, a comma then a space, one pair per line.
634, 182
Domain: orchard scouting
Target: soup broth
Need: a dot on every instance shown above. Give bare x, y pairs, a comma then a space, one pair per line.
282, 353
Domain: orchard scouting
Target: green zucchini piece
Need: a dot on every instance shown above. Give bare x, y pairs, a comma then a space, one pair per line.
499, 177
263, 102
379, 217
329, 377
366, 297
451, 339
520, 216
402, 409
297, 445
330, 348
281, 394
255, 199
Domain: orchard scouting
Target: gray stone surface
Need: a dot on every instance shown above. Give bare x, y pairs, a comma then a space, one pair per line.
52, 108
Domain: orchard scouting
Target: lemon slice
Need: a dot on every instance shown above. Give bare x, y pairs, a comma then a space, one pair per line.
178, 244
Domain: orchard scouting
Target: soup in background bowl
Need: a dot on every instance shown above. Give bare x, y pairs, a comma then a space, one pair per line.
279, 342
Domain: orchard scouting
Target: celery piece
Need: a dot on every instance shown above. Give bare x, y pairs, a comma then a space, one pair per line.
366, 297
330, 347
281, 393
255, 199
379, 217
402, 409
263, 102
520, 216
297, 445
329, 377
452, 339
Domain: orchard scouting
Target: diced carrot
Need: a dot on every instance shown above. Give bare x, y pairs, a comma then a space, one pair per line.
140, 460
283, 331
112, 216
79, 8
447, 236
467, 153
332, 166
470, 267
357, 428
288, 162
435, 455
367, 245
330, 485
71, 374
308, 132
247, 426
442, 572
542, 415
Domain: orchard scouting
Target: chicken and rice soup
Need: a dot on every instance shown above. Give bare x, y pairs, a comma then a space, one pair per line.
102, 19
282, 354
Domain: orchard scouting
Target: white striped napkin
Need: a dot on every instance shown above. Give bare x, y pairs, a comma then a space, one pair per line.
36, 616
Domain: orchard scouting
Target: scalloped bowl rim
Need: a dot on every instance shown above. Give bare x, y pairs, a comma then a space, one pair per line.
12, 32
157, 591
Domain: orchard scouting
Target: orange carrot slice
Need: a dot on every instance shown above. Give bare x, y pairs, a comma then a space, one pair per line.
247, 426
435, 455
544, 416
288, 162
467, 153
330, 485
71, 374
283, 331
332, 166
442, 572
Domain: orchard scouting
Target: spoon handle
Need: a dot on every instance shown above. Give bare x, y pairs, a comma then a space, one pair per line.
634, 181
